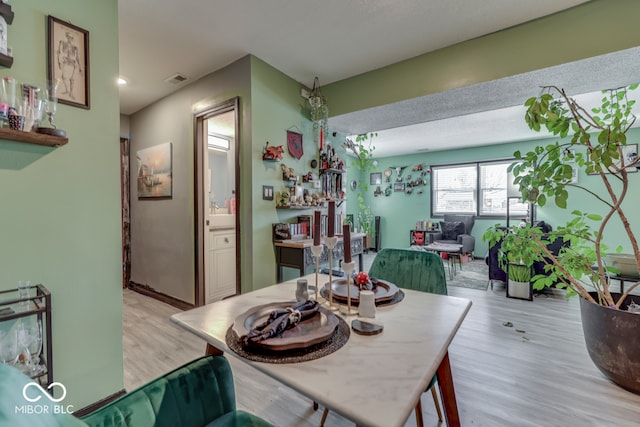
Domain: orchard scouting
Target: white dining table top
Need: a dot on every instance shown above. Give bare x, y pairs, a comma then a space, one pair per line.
372, 380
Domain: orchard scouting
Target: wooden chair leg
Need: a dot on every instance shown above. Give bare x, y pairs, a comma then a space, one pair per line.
435, 402
419, 420
324, 417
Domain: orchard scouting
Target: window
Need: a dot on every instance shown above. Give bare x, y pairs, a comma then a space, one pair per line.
473, 188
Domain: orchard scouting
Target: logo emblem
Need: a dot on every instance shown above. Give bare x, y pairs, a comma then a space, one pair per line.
44, 392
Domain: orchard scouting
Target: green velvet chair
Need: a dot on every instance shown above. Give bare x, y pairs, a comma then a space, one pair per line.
200, 393
416, 270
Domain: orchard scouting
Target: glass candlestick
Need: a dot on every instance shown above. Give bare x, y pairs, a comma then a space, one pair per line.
317, 251
331, 242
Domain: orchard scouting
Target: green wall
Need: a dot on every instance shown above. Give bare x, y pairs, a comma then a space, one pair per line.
277, 107
587, 30
60, 214
399, 212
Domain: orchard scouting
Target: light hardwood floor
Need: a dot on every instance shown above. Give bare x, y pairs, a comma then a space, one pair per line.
536, 373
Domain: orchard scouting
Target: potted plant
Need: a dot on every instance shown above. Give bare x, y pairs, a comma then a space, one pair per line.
595, 141
519, 281
363, 149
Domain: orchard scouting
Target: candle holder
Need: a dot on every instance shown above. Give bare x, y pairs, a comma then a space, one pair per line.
317, 251
348, 268
331, 242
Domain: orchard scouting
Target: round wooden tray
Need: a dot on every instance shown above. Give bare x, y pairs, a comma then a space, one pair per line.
384, 291
314, 330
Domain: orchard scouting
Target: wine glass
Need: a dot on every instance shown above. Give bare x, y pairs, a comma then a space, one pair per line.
8, 347
24, 339
51, 101
35, 346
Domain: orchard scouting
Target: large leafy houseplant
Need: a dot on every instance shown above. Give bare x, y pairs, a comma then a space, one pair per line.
595, 142
363, 149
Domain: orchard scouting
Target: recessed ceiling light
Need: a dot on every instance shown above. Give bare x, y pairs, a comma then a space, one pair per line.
122, 81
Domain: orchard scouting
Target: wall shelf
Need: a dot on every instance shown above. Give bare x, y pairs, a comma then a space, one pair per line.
32, 138
6, 61
6, 12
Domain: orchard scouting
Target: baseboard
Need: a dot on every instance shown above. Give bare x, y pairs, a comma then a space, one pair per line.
150, 292
99, 404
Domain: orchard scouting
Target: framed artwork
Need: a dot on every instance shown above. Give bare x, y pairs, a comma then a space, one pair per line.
155, 172
629, 153
68, 62
398, 186
375, 178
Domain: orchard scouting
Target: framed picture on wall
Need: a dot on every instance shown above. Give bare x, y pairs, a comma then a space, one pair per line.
155, 172
375, 178
398, 186
68, 62
629, 154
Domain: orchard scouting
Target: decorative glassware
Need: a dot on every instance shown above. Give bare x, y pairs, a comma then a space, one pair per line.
35, 347
50, 101
8, 347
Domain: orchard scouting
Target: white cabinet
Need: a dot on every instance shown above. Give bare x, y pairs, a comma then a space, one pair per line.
221, 264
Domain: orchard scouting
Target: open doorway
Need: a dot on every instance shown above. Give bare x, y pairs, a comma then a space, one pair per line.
217, 200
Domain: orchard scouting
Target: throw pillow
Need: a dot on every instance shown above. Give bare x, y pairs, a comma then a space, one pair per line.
451, 230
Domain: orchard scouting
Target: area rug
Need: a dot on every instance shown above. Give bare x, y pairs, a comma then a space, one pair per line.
473, 275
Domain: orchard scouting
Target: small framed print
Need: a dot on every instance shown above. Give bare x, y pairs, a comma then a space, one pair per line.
630, 155
398, 186
375, 178
68, 62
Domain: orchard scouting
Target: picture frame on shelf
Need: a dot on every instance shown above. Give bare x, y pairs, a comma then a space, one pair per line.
68, 62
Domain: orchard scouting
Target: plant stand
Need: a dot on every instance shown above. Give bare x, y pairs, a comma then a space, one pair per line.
519, 290
516, 286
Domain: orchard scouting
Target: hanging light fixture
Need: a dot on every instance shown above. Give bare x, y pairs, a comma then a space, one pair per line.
319, 113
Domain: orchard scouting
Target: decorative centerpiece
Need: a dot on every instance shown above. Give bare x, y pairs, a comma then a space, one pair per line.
364, 282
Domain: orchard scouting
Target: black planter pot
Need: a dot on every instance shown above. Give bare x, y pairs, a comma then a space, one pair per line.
612, 341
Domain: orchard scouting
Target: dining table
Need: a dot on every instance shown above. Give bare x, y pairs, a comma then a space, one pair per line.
372, 380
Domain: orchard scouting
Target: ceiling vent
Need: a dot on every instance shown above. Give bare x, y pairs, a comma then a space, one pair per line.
176, 79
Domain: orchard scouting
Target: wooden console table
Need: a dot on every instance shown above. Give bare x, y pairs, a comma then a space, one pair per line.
297, 254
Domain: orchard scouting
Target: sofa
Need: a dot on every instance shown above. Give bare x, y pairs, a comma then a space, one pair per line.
200, 393
456, 229
496, 273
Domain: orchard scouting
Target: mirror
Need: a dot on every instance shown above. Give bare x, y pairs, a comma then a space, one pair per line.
221, 163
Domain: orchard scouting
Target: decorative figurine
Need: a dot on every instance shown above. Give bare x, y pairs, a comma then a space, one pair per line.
272, 152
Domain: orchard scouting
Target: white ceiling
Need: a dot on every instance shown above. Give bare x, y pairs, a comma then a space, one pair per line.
336, 39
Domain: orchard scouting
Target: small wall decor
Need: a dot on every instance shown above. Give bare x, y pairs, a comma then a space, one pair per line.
272, 152
294, 144
398, 186
629, 153
68, 61
154, 172
375, 178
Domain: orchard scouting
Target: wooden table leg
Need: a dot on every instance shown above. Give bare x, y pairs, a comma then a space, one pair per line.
447, 393
212, 351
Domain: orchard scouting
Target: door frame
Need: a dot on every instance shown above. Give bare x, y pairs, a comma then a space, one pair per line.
200, 148
125, 207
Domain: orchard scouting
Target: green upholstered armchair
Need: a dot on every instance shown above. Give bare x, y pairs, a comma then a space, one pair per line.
200, 393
